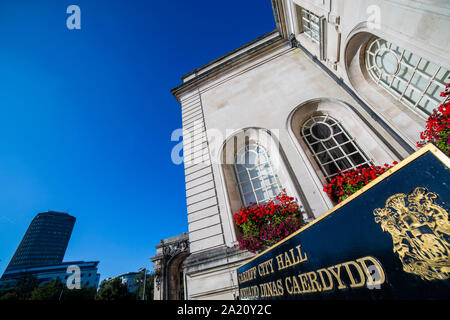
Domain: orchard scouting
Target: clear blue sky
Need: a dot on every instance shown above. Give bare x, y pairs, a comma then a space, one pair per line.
86, 116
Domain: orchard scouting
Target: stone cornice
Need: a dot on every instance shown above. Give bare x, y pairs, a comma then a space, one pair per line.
234, 58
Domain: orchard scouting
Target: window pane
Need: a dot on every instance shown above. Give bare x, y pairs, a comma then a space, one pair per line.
256, 178
257, 183
348, 148
398, 86
261, 195
316, 36
415, 81
311, 25
442, 76
246, 187
323, 157
411, 59
357, 158
419, 82
265, 169
269, 180
336, 129
310, 139
331, 169
253, 173
428, 68
249, 198
318, 147
426, 105
411, 95
341, 138
273, 191
329, 144
337, 153
243, 176
251, 159
344, 164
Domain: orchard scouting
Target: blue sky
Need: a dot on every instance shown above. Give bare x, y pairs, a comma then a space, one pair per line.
86, 117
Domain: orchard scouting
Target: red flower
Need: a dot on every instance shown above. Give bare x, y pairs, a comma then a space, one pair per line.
265, 224
348, 182
437, 129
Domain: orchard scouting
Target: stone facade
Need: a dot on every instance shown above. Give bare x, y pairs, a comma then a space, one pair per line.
268, 89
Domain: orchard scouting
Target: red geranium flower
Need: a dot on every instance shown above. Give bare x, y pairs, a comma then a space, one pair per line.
348, 182
437, 130
265, 224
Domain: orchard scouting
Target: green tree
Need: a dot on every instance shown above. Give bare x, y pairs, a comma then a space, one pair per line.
25, 286
139, 284
8, 296
82, 294
56, 290
51, 290
114, 290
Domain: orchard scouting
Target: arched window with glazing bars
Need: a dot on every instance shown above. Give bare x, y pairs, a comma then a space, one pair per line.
255, 175
413, 80
332, 148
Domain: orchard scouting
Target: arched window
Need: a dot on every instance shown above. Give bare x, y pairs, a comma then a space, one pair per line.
331, 146
413, 80
255, 175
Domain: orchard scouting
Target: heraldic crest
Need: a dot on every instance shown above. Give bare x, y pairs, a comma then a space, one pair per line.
420, 231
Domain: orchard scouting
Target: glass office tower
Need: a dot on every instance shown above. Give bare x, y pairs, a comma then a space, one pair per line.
45, 241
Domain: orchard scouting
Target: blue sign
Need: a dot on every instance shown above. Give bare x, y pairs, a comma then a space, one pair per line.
391, 240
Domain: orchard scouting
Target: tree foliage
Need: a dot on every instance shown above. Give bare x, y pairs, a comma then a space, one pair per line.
22, 290
28, 288
114, 290
149, 284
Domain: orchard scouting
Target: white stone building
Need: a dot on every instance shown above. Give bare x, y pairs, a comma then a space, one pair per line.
336, 85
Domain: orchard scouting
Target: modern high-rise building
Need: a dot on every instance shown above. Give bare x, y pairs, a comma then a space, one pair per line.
41, 252
45, 241
64, 272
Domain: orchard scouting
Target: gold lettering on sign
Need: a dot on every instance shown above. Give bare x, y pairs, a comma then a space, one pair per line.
315, 286
420, 230
353, 283
370, 280
355, 274
248, 275
271, 289
291, 258
322, 279
337, 275
249, 292
265, 268
366, 271
304, 282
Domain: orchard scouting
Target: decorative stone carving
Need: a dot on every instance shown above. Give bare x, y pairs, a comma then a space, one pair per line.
170, 253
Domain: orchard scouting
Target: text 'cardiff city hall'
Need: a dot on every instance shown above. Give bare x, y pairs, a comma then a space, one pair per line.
311, 171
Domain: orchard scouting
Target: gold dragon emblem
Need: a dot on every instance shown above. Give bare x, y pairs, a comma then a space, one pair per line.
420, 231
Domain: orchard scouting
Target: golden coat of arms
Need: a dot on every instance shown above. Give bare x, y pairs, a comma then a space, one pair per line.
420, 231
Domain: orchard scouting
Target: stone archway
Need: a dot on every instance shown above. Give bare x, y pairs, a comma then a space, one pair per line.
170, 255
